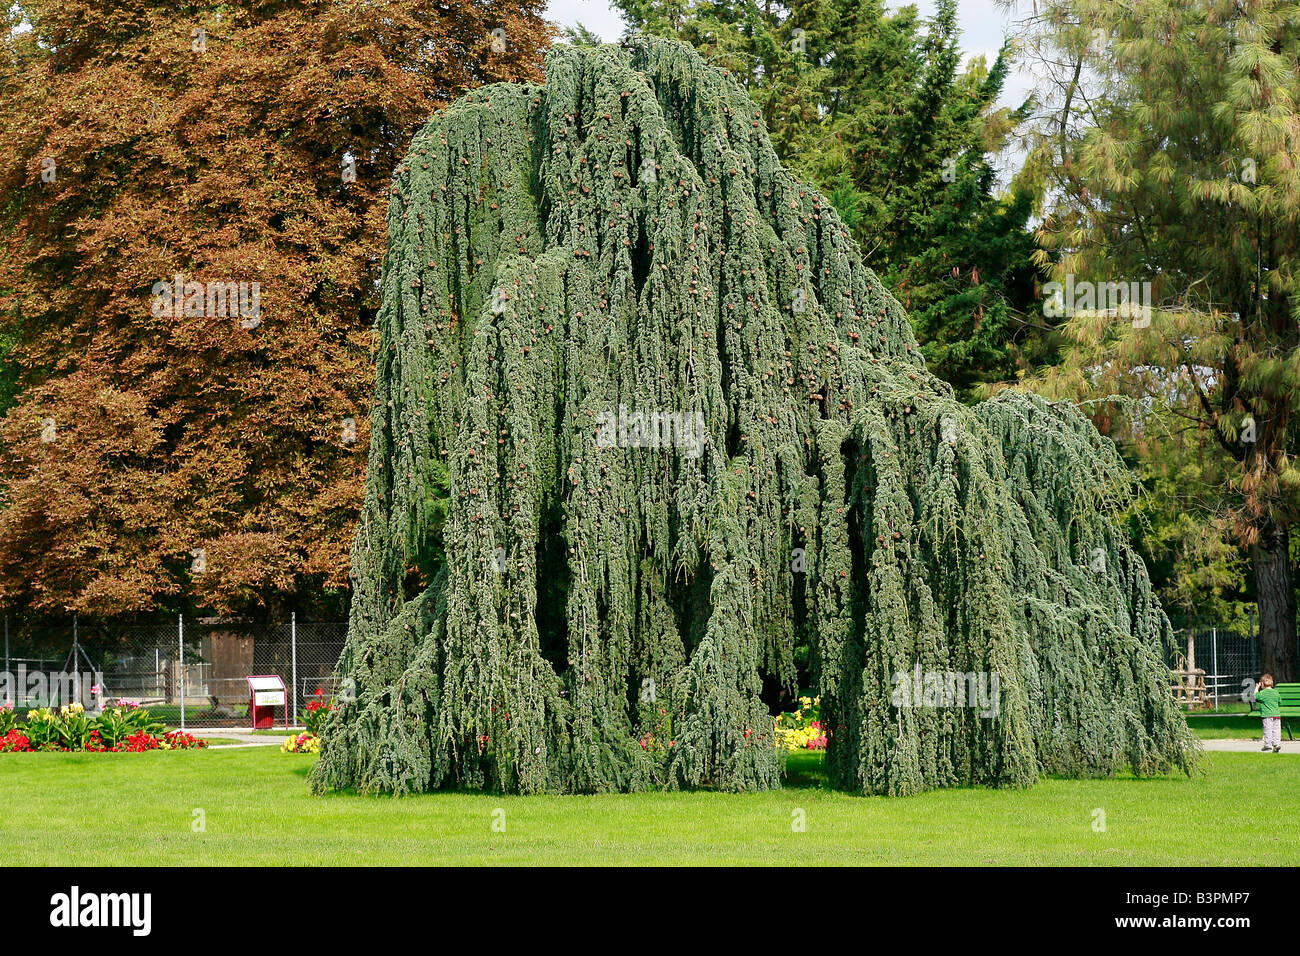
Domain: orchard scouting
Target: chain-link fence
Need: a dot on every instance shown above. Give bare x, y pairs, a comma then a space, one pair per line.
188, 672
1214, 665
194, 672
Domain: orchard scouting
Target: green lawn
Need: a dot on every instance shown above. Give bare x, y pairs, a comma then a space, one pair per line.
96, 809
1225, 707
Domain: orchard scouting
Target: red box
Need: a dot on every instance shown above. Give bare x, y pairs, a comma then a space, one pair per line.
265, 693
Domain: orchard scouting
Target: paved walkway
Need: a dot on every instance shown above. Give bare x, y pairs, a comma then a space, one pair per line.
1250, 746
242, 738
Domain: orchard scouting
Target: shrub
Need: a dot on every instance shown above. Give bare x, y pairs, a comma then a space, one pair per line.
14, 741
73, 729
137, 743
126, 728
657, 739
42, 729
122, 721
8, 718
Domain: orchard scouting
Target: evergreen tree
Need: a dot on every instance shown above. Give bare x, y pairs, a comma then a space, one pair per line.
684, 428
874, 107
1168, 156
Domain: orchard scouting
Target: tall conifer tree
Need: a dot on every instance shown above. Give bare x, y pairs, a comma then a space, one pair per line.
1166, 150
875, 107
570, 266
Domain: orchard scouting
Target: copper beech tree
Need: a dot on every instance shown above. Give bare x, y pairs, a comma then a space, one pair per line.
192, 226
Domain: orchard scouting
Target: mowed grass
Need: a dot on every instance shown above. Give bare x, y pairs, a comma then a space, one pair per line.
106, 809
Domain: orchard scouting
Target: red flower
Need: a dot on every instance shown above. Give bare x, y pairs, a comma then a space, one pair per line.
15, 742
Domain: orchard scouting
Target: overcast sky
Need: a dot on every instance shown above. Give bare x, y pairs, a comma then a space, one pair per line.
983, 24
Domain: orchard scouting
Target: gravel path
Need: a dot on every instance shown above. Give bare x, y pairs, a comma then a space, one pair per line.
241, 738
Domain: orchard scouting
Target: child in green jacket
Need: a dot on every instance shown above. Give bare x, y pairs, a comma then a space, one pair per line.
1270, 708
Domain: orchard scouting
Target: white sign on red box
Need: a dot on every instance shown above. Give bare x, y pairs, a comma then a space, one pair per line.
268, 690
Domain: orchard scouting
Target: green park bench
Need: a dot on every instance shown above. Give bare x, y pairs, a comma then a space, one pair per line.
1290, 694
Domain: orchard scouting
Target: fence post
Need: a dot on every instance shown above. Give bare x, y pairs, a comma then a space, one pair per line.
293, 654
180, 639
8, 669
76, 663
1214, 654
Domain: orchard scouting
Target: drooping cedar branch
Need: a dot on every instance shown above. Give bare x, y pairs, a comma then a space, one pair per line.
623, 241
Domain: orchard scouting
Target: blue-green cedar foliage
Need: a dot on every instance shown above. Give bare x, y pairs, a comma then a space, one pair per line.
603, 618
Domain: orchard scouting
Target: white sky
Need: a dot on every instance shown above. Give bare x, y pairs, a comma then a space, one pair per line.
983, 25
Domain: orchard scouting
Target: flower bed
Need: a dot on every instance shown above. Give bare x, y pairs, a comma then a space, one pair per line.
801, 729
318, 709
313, 717
124, 728
301, 744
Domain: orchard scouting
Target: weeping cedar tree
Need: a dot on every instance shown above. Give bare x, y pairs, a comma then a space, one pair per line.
604, 613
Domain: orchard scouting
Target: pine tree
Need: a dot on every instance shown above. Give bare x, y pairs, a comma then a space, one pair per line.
1167, 153
571, 263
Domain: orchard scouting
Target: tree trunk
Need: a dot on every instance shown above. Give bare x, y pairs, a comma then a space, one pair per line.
1275, 592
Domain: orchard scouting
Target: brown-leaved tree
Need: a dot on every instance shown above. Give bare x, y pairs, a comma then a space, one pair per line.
191, 228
